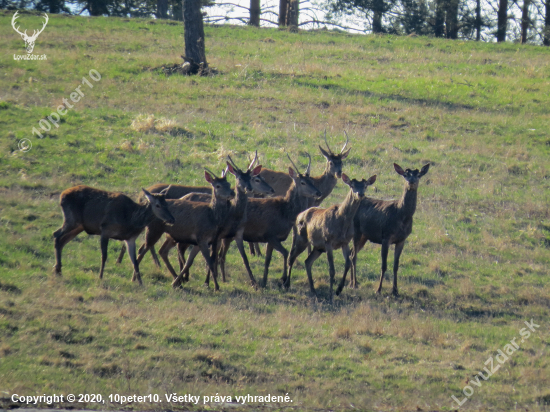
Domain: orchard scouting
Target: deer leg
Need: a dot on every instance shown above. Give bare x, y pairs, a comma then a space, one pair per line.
182, 247
211, 260
221, 257
240, 246
121, 254
104, 243
177, 281
385, 249
346, 254
257, 249
309, 262
331, 270
131, 245
268, 253
357, 246
278, 246
61, 239
208, 272
168, 244
154, 256
299, 244
252, 247
398, 249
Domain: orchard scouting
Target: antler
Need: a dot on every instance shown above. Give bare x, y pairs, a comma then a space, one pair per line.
345, 144
309, 165
15, 16
210, 171
253, 161
295, 167
233, 163
43, 27
330, 151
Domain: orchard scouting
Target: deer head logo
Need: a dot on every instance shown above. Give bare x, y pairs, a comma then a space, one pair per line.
29, 40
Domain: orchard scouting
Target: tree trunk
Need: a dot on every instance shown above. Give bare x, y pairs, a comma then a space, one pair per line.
97, 7
162, 9
524, 21
194, 35
478, 20
547, 25
255, 12
283, 13
377, 22
502, 20
293, 13
451, 19
439, 26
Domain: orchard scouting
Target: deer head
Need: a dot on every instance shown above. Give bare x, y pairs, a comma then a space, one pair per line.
334, 160
29, 40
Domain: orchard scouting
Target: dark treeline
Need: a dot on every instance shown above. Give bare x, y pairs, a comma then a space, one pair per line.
525, 21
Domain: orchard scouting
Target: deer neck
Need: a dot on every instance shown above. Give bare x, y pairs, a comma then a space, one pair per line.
349, 206
407, 203
239, 202
219, 207
142, 216
293, 201
326, 182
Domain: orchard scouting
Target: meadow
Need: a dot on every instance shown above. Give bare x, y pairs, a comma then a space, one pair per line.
474, 269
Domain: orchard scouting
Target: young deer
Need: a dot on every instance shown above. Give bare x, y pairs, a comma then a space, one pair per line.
327, 230
386, 222
110, 215
236, 218
270, 220
197, 223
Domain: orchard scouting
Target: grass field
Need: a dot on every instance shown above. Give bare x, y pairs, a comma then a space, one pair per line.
473, 271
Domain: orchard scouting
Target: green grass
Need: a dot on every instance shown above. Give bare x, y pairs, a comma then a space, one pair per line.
473, 270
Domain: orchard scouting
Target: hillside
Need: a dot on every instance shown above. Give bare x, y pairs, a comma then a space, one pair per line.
472, 272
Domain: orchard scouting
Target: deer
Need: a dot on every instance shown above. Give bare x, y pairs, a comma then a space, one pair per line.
326, 182
327, 230
386, 222
109, 215
235, 220
197, 223
178, 191
29, 40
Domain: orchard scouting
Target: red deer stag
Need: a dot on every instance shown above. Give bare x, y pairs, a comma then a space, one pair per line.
110, 215
386, 222
197, 223
327, 230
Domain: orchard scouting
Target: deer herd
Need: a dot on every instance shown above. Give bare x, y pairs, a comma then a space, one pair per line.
264, 207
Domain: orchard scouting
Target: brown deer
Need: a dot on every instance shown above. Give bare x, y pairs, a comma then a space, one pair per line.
178, 191
197, 223
386, 222
110, 215
327, 230
235, 219
326, 182
270, 220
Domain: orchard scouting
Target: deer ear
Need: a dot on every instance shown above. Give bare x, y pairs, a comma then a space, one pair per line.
231, 170
345, 154
291, 172
148, 195
208, 177
371, 180
398, 169
324, 153
345, 179
424, 170
256, 171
